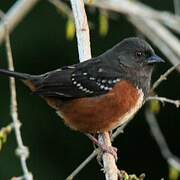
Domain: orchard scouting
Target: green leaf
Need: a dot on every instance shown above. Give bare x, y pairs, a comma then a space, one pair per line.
70, 29
174, 173
90, 2
155, 106
125, 176
103, 23
0, 145
4, 132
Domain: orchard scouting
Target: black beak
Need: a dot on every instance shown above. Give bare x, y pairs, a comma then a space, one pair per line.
154, 59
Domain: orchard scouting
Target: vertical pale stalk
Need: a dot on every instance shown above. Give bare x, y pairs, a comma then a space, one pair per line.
82, 30
22, 151
83, 40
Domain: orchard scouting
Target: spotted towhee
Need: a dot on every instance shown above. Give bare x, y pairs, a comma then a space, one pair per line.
101, 93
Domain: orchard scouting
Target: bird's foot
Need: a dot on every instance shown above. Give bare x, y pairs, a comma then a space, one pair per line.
107, 149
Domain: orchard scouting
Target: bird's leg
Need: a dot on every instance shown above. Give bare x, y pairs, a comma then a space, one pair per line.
103, 147
100, 153
94, 137
110, 133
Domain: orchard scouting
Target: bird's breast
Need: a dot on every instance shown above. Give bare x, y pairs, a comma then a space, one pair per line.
105, 112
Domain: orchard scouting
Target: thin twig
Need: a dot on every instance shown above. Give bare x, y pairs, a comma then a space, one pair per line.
172, 160
83, 164
18, 11
118, 131
15, 15
164, 99
114, 135
164, 76
62, 7
22, 151
177, 7
138, 14
167, 36
138, 9
141, 25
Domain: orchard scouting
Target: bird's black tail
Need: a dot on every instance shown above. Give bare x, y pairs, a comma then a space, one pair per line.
21, 76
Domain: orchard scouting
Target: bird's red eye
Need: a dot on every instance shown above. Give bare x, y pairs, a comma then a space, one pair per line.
139, 53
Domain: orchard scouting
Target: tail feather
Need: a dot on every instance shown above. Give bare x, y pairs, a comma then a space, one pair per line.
32, 81
21, 76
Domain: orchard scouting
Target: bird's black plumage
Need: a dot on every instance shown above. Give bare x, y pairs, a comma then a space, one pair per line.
91, 78
128, 60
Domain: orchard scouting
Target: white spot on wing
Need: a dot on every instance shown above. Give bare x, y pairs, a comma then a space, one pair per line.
100, 70
79, 85
109, 81
91, 78
71, 67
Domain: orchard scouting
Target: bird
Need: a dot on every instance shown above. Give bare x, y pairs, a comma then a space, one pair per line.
99, 94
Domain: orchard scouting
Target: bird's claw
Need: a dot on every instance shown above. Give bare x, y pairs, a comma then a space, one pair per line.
111, 150
106, 149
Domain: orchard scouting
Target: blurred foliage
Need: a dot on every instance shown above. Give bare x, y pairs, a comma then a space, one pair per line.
125, 176
103, 23
4, 132
155, 106
70, 29
90, 2
174, 173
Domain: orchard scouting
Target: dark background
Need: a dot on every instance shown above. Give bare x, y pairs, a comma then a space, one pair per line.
39, 44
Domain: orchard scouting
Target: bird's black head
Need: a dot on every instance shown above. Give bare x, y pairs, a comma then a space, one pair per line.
136, 59
136, 52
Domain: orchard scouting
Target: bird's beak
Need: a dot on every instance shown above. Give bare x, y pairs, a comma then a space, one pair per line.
154, 59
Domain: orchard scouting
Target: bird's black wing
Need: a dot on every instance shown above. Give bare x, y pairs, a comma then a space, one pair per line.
87, 79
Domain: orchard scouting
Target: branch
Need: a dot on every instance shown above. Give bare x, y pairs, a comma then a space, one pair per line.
177, 7
147, 20
15, 15
164, 76
110, 168
161, 142
121, 128
65, 10
82, 33
138, 9
22, 151
164, 34
164, 99
157, 40
83, 164
82, 30
166, 41
118, 131
62, 7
